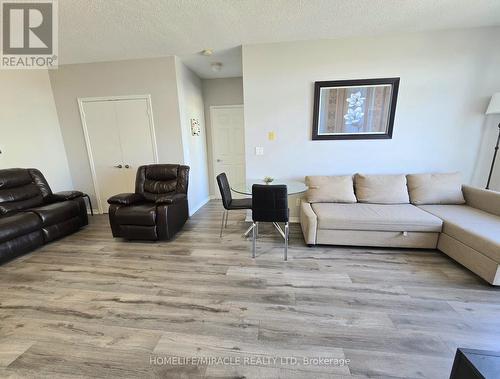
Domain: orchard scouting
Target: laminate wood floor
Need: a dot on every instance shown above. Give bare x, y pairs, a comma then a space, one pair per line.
199, 306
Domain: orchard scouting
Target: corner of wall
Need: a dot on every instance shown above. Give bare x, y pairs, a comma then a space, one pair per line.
191, 105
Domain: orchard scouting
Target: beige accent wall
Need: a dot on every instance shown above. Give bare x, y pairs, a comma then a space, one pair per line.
156, 77
29, 129
227, 91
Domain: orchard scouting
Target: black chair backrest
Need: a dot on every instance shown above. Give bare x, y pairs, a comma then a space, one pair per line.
269, 203
225, 190
157, 180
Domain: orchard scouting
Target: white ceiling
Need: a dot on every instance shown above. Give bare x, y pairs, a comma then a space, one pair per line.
202, 65
104, 30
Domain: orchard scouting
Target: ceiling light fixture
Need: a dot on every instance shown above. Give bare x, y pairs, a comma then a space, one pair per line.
216, 66
207, 52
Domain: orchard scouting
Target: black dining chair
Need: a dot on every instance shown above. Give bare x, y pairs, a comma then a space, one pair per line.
270, 204
228, 202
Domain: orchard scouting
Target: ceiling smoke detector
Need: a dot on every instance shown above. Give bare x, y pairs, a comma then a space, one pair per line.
216, 66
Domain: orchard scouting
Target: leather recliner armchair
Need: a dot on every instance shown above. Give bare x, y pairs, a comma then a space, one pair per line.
159, 207
31, 215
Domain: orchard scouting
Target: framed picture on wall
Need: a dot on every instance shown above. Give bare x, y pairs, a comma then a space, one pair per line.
354, 109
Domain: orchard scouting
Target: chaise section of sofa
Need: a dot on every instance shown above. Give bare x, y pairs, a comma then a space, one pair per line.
471, 232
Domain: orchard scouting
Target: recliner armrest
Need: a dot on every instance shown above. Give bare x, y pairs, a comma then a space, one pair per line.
126, 199
171, 199
64, 195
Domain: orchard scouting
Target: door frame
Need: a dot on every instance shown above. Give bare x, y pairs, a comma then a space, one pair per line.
88, 144
212, 108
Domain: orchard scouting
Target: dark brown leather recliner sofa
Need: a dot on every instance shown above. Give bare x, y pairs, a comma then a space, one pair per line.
159, 207
31, 215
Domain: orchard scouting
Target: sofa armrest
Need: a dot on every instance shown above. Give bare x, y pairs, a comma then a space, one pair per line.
126, 199
485, 200
171, 199
308, 222
64, 195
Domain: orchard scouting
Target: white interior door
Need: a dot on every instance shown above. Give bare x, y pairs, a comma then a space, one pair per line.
120, 137
228, 143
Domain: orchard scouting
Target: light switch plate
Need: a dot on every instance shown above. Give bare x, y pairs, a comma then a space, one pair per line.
259, 150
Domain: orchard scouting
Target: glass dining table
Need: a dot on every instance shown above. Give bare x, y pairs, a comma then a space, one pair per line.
294, 187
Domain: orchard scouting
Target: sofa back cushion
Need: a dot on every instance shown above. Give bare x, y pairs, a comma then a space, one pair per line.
435, 188
330, 189
18, 191
381, 189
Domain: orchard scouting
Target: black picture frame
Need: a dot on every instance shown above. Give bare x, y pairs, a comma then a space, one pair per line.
394, 82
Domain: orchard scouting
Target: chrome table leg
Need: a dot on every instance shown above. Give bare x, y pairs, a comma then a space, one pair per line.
286, 241
254, 239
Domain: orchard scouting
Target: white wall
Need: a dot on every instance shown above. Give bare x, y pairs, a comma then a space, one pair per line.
224, 91
29, 129
195, 147
446, 81
156, 77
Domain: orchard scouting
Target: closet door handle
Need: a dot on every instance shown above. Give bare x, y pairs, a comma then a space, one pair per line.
127, 166
119, 166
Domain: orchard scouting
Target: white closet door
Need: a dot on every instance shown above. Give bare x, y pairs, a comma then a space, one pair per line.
120, 138
135, 136
100, 118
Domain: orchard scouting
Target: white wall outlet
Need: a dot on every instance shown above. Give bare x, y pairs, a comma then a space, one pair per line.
259, 150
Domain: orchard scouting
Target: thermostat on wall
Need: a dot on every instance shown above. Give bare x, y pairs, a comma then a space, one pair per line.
195, 127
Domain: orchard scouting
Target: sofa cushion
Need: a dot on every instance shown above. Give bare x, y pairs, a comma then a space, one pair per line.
435, 188
142, 214
51, 214
17, 225
473, 227
381, 189
381, 217
330, 189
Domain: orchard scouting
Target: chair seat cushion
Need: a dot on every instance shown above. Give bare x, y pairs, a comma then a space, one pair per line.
57, 212
17, 225
241, 204
478, 229
141, 214
380, 217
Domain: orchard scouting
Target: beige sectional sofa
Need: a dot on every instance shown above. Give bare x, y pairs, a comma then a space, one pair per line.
414, 211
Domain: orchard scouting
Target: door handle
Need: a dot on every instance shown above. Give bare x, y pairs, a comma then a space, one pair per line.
219, 160
127, 166
119, 166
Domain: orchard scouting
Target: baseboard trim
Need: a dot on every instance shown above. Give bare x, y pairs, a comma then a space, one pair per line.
197, 207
